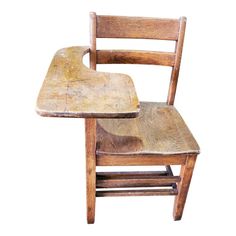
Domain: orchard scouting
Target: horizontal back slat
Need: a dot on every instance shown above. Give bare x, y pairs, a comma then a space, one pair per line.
137, 27
135, 57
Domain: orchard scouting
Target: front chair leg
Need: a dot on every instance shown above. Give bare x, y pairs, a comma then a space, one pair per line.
90, 133
186, 175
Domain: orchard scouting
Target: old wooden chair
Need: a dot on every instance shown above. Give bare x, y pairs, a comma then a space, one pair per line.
148, 134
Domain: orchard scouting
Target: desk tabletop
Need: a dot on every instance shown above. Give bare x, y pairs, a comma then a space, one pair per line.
71, 89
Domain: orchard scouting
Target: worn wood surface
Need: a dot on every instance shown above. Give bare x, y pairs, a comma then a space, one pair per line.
90, 136
159, 129
159, 135
141, 192
137, 27
137, 182
186, 173
90, 128
176, 67
145, 28
131, 174
139, 160
93, 44
135, 57
73, 90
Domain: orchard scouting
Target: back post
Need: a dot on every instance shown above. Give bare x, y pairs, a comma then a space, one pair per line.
176, 67
93, 28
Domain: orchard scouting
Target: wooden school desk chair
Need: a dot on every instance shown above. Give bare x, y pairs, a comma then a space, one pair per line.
120, 130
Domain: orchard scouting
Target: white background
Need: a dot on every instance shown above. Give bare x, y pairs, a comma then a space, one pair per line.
42, 163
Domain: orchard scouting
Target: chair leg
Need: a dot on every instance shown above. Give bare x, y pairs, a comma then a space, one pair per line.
186, 175
90, 133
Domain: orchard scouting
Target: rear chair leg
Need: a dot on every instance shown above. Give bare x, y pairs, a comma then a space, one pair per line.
90, 133
183, 186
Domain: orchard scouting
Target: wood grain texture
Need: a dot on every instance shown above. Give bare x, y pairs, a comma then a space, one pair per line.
137, 182
176, 68
131, 174
93, 44
73, 90
186, 173
137, 27
158, 136
142, 192
90, 132
159, 129
139, 160
135, 57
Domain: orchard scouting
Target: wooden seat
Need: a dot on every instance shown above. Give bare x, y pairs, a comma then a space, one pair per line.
159, 129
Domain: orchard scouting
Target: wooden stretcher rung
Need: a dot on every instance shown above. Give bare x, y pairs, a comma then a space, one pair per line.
142, 192
154, 181
131, 174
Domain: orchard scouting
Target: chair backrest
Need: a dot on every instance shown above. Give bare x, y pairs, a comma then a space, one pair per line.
139, 28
